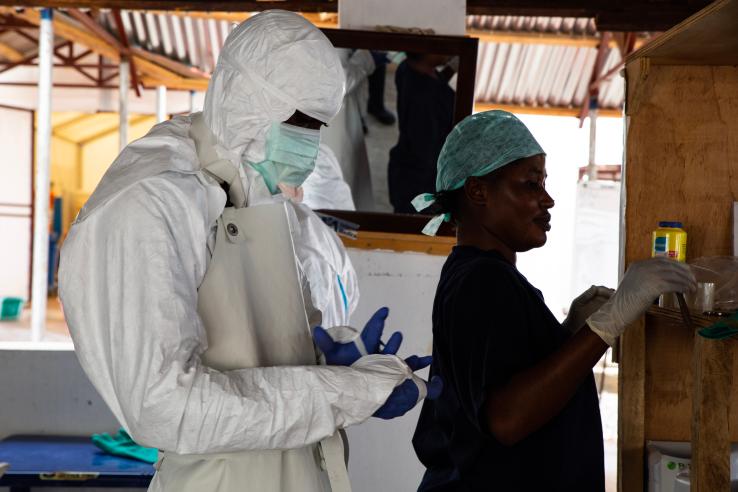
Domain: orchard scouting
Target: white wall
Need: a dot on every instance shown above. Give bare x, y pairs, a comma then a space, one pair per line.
551, 268
596, 236
45, 392
15, 189
382, 456
443, 16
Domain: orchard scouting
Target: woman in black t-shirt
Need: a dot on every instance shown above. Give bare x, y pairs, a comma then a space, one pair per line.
519, 410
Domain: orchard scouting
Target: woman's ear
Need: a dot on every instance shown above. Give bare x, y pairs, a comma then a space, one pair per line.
476, 191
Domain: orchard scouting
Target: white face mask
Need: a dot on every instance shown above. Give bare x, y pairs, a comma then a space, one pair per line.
290, 155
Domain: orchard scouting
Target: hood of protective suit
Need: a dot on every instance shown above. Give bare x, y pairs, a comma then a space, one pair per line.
271, 65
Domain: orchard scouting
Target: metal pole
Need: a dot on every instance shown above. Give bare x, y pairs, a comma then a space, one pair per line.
161, 103
591, 165
123, 85
40, 276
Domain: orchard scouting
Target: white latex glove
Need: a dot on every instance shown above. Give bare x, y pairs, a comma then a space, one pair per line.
584, 306
642, 284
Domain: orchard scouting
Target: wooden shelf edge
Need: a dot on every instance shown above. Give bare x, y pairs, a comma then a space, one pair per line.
672, 314
417, 243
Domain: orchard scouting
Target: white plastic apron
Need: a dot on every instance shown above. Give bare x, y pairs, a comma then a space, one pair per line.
252, 307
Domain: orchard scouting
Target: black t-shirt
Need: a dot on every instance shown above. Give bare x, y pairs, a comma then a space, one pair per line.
425, 113
490, 323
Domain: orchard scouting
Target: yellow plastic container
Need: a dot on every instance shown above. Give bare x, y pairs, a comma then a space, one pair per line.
670, 240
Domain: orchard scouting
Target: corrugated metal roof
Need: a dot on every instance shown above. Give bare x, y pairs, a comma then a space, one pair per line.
195, 41
542, 75
555, 25
525, 73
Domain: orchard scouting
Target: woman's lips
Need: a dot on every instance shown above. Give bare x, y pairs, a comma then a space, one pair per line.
543, 222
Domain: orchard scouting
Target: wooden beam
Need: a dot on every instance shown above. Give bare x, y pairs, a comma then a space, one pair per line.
544, 110
65, 29
27, 59
533, 38
418, 243
603, 50
92, 25
178, 83
8, 22
235, 17
712, 369
59, 84
126, 49
323, 19
10, 53
319, 19
191, 5
707, 38
631, 408
173, 66
649, 19
154, 70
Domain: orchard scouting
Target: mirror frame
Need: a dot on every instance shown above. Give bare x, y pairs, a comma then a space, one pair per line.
462, 46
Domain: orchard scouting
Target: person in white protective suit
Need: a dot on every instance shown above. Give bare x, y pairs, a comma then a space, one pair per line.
325, 188
345, 135
190, 283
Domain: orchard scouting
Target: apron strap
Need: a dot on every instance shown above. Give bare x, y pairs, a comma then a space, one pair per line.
222, 170
331, 449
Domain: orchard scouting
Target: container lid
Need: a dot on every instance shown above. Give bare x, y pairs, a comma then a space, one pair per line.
677, 225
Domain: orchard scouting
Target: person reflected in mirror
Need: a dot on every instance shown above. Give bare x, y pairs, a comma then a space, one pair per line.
425, 108
325, 188
345, 136
375, 106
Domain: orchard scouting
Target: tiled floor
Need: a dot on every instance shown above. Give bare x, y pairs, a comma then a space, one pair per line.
20, 330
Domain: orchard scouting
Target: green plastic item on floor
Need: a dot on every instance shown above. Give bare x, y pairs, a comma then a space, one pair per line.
10, 308
121, 444
725, 328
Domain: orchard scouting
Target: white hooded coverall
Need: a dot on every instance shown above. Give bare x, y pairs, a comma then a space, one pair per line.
134, 260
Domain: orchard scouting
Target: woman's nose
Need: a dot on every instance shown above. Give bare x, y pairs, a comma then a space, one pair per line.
547, 201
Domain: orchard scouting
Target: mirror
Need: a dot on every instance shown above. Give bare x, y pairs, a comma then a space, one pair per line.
405, 92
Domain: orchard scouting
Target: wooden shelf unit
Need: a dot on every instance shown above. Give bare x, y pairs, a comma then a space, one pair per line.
681, 163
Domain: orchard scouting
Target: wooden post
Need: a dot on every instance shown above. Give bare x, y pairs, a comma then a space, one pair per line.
712, 366
631, 408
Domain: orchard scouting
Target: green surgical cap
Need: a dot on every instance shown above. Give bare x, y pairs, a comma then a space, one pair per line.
480, 144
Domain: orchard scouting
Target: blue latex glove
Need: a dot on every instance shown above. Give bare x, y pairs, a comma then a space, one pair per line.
405, 396
345, 354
